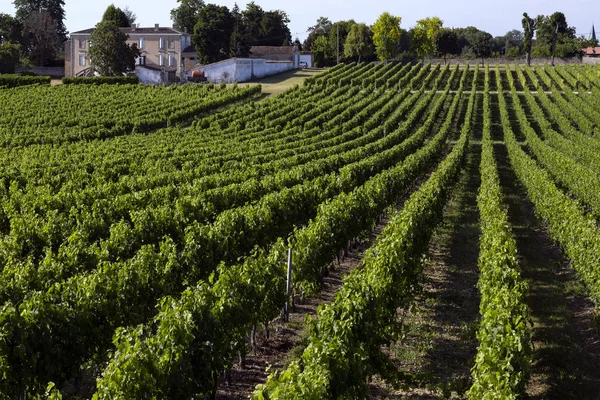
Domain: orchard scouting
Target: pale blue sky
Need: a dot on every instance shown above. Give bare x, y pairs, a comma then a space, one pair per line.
496, 17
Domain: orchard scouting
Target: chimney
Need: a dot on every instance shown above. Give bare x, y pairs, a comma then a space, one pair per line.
155, 27
133, 27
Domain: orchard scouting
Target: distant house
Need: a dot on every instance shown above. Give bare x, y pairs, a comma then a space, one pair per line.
166, 53
591, 51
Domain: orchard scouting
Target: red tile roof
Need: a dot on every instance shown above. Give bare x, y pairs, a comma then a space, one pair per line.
590, 51
262, 50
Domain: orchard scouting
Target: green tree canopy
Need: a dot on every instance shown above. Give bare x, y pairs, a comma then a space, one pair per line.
185, 16
212, 33
386, 36
359, 43
240, 38
321, 51
109, 54
9, 57
446, 42
482, 45
321, 28
117, 15
54, 8
11, 30
529, 27
44, 44
424, 35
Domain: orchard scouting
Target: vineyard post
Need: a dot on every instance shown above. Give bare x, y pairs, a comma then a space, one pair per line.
288, 286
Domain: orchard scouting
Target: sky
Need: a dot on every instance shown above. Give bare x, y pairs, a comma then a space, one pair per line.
496, 17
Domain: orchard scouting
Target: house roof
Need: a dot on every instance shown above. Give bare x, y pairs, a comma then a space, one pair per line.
259, 50
590, 51
129, 30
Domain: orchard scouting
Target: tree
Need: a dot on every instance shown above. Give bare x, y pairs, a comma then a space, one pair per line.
359, 42
482, 45
466, 38
446, 42
529, 27
11, 30
212, 33
424, 35
321, 28
117, 15
274, 30
321, 51
9, 57
44, 43
131, 17
110, 55
338, 32
386, 36
185, 16
54, 8
240, 39
553, 33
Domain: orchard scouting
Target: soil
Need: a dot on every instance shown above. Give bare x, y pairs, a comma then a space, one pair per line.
285, 339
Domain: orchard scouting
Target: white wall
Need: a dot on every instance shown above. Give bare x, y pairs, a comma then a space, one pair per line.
244, 69
307, 58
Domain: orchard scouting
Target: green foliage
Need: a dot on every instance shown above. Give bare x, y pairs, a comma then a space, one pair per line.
101, 80
110, 55
446, 42
504, 354
9, 81
482, 45
9, 57
386, 36
359, 43
212, 33
116, 15
321, 51
424, 34
185, 16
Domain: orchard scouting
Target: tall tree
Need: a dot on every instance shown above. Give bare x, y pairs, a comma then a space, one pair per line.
44, 43
117, 15
131, 17
9, 56
338, 32
253, 15
54, 8
386, 36
274, 29
110, 54
321, 28
446, 42
212, 33
321, 51
240, 39
424, 35
482, 45
553, 32
359, 43
185, 16
11, 30
529, 27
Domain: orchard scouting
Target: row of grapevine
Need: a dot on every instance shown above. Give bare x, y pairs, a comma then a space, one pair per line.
503, 359
344, 344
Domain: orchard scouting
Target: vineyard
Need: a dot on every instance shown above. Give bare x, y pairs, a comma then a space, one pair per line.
145, 230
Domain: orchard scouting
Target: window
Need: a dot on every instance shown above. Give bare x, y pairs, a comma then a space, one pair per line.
82, 60
141, 43
161, 60
161, 43
171, 61
171, 44
82, 44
